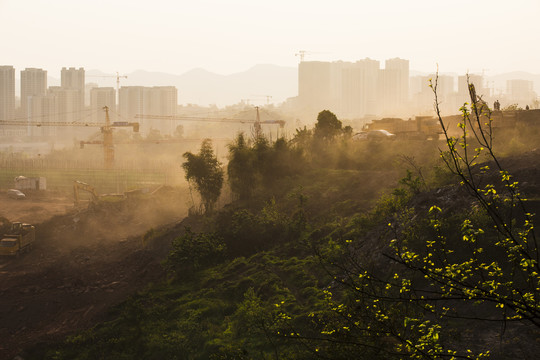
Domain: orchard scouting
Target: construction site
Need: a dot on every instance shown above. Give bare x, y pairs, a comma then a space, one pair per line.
93, 206
90, 205
79, 266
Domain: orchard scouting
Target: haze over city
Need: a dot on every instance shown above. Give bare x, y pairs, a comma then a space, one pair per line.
250, 179
227, 37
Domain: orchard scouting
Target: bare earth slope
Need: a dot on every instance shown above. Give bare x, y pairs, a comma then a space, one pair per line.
83, 263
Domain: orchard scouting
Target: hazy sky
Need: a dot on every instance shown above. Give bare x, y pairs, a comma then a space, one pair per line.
227, 36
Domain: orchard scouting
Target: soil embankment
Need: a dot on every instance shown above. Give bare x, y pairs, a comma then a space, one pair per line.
83, 262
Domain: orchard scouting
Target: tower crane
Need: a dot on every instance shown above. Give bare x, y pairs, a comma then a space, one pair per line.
246, 101
256, 122
302, 54
106, 130
117, 76
268, 97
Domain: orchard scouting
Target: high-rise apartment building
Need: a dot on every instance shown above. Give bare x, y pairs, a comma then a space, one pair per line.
73, 79
354, 90
130, 102
162, 100
33, 83
520, 92
67, 103
101, 97
394, 86
7, 92
157, 100
423, 98
87, 89
359, 88
41, 108
463, 89
314, 85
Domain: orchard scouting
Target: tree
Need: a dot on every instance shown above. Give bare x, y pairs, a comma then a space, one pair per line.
205, 171
328, 125
154, 135
179, 132
444, 276
241, 169
260, 162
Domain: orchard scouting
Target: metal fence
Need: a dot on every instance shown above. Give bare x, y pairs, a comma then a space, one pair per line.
60, 174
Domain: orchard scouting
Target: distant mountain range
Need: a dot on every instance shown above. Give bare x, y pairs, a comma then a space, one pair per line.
256, 85
259, 84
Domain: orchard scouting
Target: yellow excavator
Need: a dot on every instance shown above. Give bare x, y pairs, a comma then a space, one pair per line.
78, 186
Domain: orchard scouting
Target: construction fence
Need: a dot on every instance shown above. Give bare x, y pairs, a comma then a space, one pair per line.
60, 174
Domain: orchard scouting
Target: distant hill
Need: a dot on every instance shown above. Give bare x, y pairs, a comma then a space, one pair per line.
499, 81
202, 87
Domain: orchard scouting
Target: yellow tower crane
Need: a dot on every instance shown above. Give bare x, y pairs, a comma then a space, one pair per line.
106, 130
256, 122
118, 77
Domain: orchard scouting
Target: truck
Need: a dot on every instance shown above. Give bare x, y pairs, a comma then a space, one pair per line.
421, 128
19, 239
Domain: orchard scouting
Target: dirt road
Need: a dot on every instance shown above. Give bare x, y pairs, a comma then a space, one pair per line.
36, 208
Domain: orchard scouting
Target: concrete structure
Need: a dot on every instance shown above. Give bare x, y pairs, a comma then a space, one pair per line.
130, 102
423, 98
354, 90
157, 100
30, 183
67, 105
33, 83
162, 100
73, 79
87, 89
314, 90
520, 92
7, 93
41, 108
99, 98
394, 86
359, 92
463, 90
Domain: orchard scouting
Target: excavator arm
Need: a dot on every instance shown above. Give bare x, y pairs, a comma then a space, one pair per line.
79, 185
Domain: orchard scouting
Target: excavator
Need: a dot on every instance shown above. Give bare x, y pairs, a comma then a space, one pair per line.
78, 186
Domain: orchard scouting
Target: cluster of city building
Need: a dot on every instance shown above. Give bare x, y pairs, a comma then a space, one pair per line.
76, 101
352, 90
363, 89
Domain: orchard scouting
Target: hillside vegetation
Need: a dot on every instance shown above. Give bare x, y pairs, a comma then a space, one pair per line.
340, 249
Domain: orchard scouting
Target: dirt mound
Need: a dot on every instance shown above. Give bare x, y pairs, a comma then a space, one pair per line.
83, 262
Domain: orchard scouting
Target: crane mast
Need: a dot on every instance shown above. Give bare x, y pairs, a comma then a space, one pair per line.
108, 147
106, 130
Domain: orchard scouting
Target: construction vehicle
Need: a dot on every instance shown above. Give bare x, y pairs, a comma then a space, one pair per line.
421, 128
19, 239
78, 186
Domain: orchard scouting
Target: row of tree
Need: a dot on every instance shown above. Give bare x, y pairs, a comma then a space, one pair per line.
448, 272
256, 161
